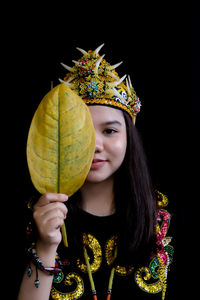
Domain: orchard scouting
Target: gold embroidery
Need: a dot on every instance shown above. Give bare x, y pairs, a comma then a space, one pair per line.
109, 249
150, 279
76, 294
153, 279
156, 270
162, 200
94, 253
142, 275
109, 254
163, 277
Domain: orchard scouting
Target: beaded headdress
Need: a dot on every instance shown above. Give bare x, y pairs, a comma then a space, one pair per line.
97, 82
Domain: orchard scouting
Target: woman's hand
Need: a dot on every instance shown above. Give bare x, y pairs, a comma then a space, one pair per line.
49, 214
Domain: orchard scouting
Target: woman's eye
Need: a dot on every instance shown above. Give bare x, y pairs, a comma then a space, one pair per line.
109, 131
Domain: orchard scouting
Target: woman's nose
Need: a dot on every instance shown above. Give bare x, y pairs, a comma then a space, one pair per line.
99, 144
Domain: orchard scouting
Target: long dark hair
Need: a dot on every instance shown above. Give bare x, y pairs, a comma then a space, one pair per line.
135, 204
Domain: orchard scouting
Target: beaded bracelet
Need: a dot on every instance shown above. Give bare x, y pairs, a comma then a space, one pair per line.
39, 266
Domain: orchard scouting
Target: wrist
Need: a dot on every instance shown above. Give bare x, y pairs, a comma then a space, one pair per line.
45, 263
46, 252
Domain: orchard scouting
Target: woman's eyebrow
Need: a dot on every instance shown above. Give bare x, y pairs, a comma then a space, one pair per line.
114, 122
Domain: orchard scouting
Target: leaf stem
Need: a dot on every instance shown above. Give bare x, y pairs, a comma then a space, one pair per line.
64, 235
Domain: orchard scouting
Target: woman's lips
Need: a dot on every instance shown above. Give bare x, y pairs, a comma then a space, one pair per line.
97, 163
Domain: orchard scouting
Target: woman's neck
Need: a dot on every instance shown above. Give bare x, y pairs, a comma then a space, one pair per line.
98, 198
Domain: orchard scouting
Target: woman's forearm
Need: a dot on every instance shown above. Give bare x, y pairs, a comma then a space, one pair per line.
49, 214
28, 289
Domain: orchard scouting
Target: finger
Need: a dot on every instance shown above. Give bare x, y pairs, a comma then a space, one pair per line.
51, 197
54, 213
55, 223
55, 207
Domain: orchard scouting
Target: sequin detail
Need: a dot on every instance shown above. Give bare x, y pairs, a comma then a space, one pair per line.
162, 200
69, 280
109, 254
153, 279
58, 277
145, 279
94, 252
163, 220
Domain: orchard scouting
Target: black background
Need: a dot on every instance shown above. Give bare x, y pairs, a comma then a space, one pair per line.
154, 39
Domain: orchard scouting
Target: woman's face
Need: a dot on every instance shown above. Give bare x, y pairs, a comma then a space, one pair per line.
111, 142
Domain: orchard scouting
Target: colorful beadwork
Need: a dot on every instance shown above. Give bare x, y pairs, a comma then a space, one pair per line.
58, 277
29, 272
37, 283
163, 221
97, 82
153, 279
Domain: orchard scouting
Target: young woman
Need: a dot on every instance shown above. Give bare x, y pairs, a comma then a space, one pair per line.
115, 223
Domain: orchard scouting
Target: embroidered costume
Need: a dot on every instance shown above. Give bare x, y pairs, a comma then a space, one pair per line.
100, 240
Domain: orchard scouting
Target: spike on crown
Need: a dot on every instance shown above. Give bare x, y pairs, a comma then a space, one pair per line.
97, 82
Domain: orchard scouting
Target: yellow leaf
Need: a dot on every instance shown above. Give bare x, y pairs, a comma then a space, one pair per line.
61, 142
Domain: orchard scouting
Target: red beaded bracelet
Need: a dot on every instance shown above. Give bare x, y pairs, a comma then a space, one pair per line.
39, 266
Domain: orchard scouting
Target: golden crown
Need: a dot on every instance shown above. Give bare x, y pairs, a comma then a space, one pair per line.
97, 82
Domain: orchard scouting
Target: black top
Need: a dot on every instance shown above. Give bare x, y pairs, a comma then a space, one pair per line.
99, 238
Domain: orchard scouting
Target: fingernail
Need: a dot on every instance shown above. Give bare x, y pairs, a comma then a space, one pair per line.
65, 197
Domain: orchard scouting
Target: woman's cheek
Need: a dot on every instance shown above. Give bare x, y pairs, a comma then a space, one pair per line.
118, 148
